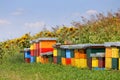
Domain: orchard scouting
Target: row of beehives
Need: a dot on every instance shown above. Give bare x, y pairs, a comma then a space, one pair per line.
93, 56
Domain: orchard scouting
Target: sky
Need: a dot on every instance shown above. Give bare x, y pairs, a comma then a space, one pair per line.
18, 17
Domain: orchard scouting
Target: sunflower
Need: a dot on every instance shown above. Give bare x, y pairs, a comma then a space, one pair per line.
6, 46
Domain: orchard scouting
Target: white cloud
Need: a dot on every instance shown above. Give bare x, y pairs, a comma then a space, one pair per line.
18, 12
91, 12
4, 22
35, 24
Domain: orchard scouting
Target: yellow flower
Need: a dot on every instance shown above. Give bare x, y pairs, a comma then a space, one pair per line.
6, 46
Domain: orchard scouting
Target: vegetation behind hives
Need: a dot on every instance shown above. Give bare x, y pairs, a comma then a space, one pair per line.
98, 29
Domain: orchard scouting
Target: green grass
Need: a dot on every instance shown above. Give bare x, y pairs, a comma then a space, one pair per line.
15, 69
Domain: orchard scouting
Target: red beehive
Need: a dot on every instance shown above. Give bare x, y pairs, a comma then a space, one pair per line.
68, 61
32, 50
101, 62
55, 59
44, 50
27, 60
37, 48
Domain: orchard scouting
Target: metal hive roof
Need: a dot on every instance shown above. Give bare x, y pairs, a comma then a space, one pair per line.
109, 44
77, 46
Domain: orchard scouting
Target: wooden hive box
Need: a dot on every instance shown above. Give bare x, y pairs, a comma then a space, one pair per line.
46, 44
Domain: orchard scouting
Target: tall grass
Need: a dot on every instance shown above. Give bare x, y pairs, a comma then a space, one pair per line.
14, 68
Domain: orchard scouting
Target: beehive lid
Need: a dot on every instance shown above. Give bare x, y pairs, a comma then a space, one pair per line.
77, 46
41, 39
110, 44
32, 41
57, 45
46, 54
37, 40
96, 45
26, 49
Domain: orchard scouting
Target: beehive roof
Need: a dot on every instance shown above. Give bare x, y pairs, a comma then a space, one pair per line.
46, 54
26, 49
41, 39
77, 46
110, 44
96, 45
57, 45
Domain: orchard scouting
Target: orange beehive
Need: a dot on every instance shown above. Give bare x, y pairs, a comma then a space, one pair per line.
72, 61
43, 59
47, 43
63, 61
77, 54
82, 55
108, 52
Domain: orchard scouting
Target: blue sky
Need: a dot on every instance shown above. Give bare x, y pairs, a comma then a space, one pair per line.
18, 17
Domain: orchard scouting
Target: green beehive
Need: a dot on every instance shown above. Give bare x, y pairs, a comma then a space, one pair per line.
63, 53
94, 51
58, 52
88, 51
50, 58
72, 53
58, 59
114, 63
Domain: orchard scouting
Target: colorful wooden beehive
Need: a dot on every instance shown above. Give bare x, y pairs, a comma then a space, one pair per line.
27, 55
93, 56
96, 56
46, 44
112, 55
32, 51
75, 55
57, 53
46, 48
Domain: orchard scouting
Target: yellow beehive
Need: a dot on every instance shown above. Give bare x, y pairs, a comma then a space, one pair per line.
63, 61
108, 52
37, 59
77, 63
72, 61
119, 63
31, 47
115, 53
40, 58
94, 62
83, 63
55, 52
108, 63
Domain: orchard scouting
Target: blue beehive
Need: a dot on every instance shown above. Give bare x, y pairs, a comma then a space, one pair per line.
68, 53
27, 54
32, 59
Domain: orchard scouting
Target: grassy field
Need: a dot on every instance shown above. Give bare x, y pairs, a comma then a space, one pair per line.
14, 68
